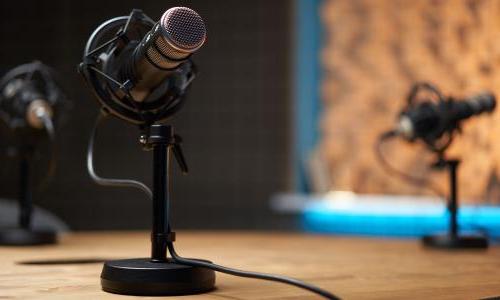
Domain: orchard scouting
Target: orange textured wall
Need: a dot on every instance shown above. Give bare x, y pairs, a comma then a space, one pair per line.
373, 51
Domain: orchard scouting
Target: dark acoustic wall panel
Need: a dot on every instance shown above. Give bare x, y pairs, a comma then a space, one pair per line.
236, 123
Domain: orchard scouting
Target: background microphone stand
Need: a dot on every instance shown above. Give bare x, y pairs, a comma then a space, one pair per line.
452, 239
437, 135
25, 234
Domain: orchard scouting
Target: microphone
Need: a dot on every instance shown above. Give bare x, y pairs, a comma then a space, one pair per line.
433, 120
429, 121
29, 95
179, 33
141, 74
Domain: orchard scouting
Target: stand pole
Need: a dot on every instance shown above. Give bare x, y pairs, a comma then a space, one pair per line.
453, 202
160, 141
25, 193
24, 234
452, 239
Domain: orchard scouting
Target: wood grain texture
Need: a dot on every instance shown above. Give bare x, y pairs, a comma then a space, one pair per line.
374, 51
351, 268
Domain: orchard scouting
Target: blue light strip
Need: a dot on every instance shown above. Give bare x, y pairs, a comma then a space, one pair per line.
306, 85
358, 221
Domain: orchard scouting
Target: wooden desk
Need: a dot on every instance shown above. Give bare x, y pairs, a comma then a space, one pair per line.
352, 268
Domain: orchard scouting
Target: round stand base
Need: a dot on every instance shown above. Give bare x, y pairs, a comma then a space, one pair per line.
141, 277
26, 237
447, 241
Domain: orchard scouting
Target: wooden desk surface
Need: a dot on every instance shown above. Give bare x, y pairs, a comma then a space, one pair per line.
352, 268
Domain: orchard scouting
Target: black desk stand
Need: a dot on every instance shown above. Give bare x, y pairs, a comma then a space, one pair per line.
158, 275
452, 239
24, 234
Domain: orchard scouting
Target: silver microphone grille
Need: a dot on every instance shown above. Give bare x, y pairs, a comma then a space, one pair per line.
183, 29
171, 41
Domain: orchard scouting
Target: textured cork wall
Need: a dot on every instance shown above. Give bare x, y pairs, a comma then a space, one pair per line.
373, 52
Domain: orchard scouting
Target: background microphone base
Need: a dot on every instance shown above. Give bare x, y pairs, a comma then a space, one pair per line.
26, 237
447, 241
142, 277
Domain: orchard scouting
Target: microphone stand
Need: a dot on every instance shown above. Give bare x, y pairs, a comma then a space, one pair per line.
158, 275
25, 234
452, 239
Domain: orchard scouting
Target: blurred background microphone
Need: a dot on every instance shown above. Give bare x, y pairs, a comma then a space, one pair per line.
433, 119
30, 97
429, 120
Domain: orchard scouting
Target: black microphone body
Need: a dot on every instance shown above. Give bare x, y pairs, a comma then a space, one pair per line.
179, 33
476, 105
25, 103
429, 120
30, 96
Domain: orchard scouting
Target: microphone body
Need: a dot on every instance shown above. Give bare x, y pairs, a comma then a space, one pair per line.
430, 120
475, 105
30, 96
147, 63
25, 104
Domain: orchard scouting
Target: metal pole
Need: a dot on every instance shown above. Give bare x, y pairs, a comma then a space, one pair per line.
453, 205
160, 138
25, 195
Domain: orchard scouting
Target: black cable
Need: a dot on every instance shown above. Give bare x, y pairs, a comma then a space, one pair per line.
171, 249
419, 181
249, 274
109, 181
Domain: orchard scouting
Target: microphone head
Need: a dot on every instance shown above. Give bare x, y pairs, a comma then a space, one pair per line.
179, 33
484, 102
183, 29
172, 40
